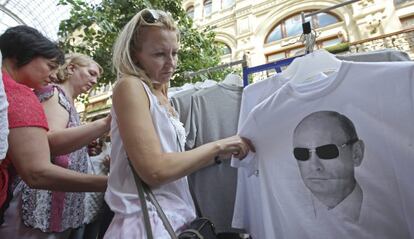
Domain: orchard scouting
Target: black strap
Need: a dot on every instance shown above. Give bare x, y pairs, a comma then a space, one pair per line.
161, 214
144, 207
142, 189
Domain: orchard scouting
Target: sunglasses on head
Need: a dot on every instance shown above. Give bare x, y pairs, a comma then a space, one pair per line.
150, 16
328, 151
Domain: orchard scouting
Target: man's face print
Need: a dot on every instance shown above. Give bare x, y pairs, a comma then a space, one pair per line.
325, 177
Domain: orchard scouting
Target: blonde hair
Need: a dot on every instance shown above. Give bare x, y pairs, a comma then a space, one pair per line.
128, 43
75, 59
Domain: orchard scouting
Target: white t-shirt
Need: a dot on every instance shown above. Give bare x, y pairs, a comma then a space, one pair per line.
378, 98
4, 123
247, 210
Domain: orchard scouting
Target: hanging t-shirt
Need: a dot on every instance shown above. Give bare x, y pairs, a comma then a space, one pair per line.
247, 210
186, 120
378, 99
214, 115
181, 102
385, 55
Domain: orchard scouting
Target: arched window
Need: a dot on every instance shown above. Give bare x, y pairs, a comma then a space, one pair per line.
190, 12
226, 3
407, 22
300, 50
207, 7
324, 19
398, 2
292, 25
225, 49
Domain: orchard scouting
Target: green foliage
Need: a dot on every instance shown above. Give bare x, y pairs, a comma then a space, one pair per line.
92, 29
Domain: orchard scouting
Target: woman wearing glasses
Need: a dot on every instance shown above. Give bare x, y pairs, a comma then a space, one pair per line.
146, 129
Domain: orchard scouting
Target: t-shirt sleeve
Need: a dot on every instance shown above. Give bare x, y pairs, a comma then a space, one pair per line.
248, 130
25, 109
174, 103
191, 124
412, 87
243, 110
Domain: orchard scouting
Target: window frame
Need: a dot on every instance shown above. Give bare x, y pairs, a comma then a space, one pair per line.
223, 6
282, 23
226, 46
187, 11
205, 2
290, 50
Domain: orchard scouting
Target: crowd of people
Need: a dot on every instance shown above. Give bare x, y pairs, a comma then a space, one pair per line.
45, 176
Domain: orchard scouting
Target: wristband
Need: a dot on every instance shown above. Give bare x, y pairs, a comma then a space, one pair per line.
217, 160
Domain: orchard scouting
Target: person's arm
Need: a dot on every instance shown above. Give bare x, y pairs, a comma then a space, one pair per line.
143, 146
29, 151
64, 140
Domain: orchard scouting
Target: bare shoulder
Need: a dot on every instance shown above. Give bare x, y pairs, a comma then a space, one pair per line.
57, 114
126, 85
129, 91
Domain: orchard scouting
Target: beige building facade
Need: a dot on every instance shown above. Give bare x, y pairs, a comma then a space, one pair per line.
268, 30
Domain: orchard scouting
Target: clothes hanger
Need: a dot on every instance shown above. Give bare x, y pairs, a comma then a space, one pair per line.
307, 36
313, 64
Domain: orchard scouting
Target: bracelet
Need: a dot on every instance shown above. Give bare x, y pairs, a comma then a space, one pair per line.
217, 160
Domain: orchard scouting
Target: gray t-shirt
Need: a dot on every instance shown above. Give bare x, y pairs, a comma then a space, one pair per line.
181, 102
214, 115
385, 55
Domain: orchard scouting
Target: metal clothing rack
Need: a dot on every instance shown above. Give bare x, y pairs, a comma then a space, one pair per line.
242, 62
309, 35
277, 65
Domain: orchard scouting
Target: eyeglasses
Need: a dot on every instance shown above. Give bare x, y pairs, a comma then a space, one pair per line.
328, 151
150, 16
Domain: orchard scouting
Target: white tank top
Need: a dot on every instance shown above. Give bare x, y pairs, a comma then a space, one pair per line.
121, 194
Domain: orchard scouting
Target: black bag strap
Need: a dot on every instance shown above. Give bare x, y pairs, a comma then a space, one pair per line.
161, 214
143, 188
144, 207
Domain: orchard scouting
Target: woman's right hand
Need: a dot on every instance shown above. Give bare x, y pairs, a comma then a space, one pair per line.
235, 146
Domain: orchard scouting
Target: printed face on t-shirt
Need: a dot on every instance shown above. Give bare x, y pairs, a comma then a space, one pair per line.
323, 152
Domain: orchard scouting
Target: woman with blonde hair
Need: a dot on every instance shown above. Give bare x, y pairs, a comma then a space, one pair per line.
145, 129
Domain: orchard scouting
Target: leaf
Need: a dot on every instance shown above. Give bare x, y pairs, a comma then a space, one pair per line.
98, 26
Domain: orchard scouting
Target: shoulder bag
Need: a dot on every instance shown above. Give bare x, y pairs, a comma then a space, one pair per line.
200, 228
